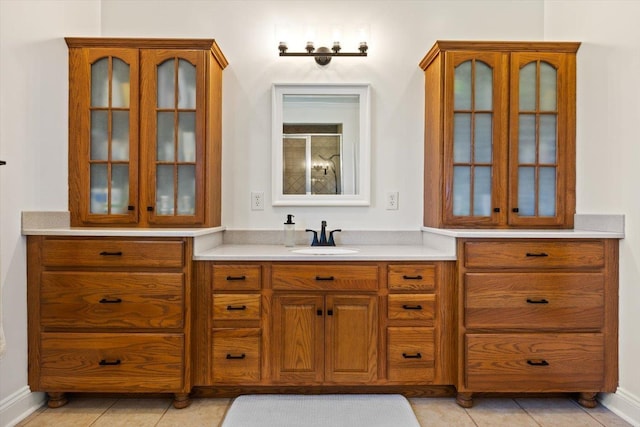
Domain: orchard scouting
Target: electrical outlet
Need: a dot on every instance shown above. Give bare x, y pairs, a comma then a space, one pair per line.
392, 200
257, 201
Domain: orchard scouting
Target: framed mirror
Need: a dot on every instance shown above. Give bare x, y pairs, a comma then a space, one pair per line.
321, 144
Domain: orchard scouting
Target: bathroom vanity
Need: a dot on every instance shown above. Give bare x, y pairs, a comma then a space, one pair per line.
179, 311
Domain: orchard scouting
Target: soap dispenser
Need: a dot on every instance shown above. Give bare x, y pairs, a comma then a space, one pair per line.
289, 232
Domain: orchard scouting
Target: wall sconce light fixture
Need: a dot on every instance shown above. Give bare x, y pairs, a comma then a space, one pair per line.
323, 55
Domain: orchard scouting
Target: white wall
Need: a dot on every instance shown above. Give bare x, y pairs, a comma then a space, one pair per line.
608, 146
33, 139
33, 127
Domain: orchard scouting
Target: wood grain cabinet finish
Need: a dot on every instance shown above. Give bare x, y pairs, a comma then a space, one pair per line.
109, 315
145, 132
500, 134
325, 325
541, 323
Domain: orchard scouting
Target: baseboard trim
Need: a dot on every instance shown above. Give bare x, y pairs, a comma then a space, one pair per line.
19, 405
623, 404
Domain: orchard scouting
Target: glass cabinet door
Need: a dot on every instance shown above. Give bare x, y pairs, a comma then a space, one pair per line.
474, 138
536, 128
174, 124
112, 146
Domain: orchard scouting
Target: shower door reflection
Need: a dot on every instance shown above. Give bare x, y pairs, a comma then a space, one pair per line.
312, 164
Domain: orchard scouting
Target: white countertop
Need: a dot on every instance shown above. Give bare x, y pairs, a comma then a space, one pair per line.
525, 234
365, 253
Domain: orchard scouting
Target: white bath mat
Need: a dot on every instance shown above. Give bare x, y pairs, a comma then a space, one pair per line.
332, 410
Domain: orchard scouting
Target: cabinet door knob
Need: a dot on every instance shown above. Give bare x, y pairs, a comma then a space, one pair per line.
537, 301
516, 210
496, 210
540, 362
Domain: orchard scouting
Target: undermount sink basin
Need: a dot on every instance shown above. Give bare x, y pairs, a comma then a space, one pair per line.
325, 251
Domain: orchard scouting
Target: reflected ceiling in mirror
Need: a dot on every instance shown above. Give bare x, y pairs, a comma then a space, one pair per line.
321, 144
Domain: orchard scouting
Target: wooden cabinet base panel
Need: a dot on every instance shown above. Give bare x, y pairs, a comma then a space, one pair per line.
585, 399
58, 400
407, 391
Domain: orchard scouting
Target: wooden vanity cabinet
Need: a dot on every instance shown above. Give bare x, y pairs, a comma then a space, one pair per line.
144, 132
109, 315
537, 315
500, 134
324, 324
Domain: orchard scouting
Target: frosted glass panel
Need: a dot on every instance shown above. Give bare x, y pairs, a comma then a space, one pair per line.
548, 92
482, 191
528, 87
526, 191
100, 83
186, 85
99, 135
548, 139
483, 138
187, 137
119, 188
120, 84
527, 138
164, 190
166, 141
461, 190
186, 189
547, 186
99, 189
166, 84
462, 138
484, 87
462, 86
120, 136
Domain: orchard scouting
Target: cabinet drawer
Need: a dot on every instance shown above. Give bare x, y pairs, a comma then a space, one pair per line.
236, 356
236, 277
410, 354
324, 277
534, 362
534, 301
236, 307
112, 253
535, 254
111, 362
411, 277
112, 300
411, 307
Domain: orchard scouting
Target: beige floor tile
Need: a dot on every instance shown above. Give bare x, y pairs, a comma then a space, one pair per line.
499, 412
441, 411
201, 412
79, 412
557, 412
606, 417
134, 412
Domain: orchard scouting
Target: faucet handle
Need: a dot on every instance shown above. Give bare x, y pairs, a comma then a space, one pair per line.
331, 241
315, 236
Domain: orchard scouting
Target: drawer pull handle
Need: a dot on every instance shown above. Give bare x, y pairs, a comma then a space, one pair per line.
107, 253
232, 357
540, 362
418, 277
412, 356
236, 308
537, 301
539, 255
412, 307
110, 301
105, 362
237, 278
328, 278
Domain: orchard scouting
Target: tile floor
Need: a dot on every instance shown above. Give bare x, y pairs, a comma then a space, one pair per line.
493, 412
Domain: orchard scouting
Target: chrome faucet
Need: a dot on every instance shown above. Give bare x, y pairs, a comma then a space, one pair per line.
323, 241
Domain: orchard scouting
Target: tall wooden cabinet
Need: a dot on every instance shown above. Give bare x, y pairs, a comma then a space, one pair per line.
500, 134
144, 132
